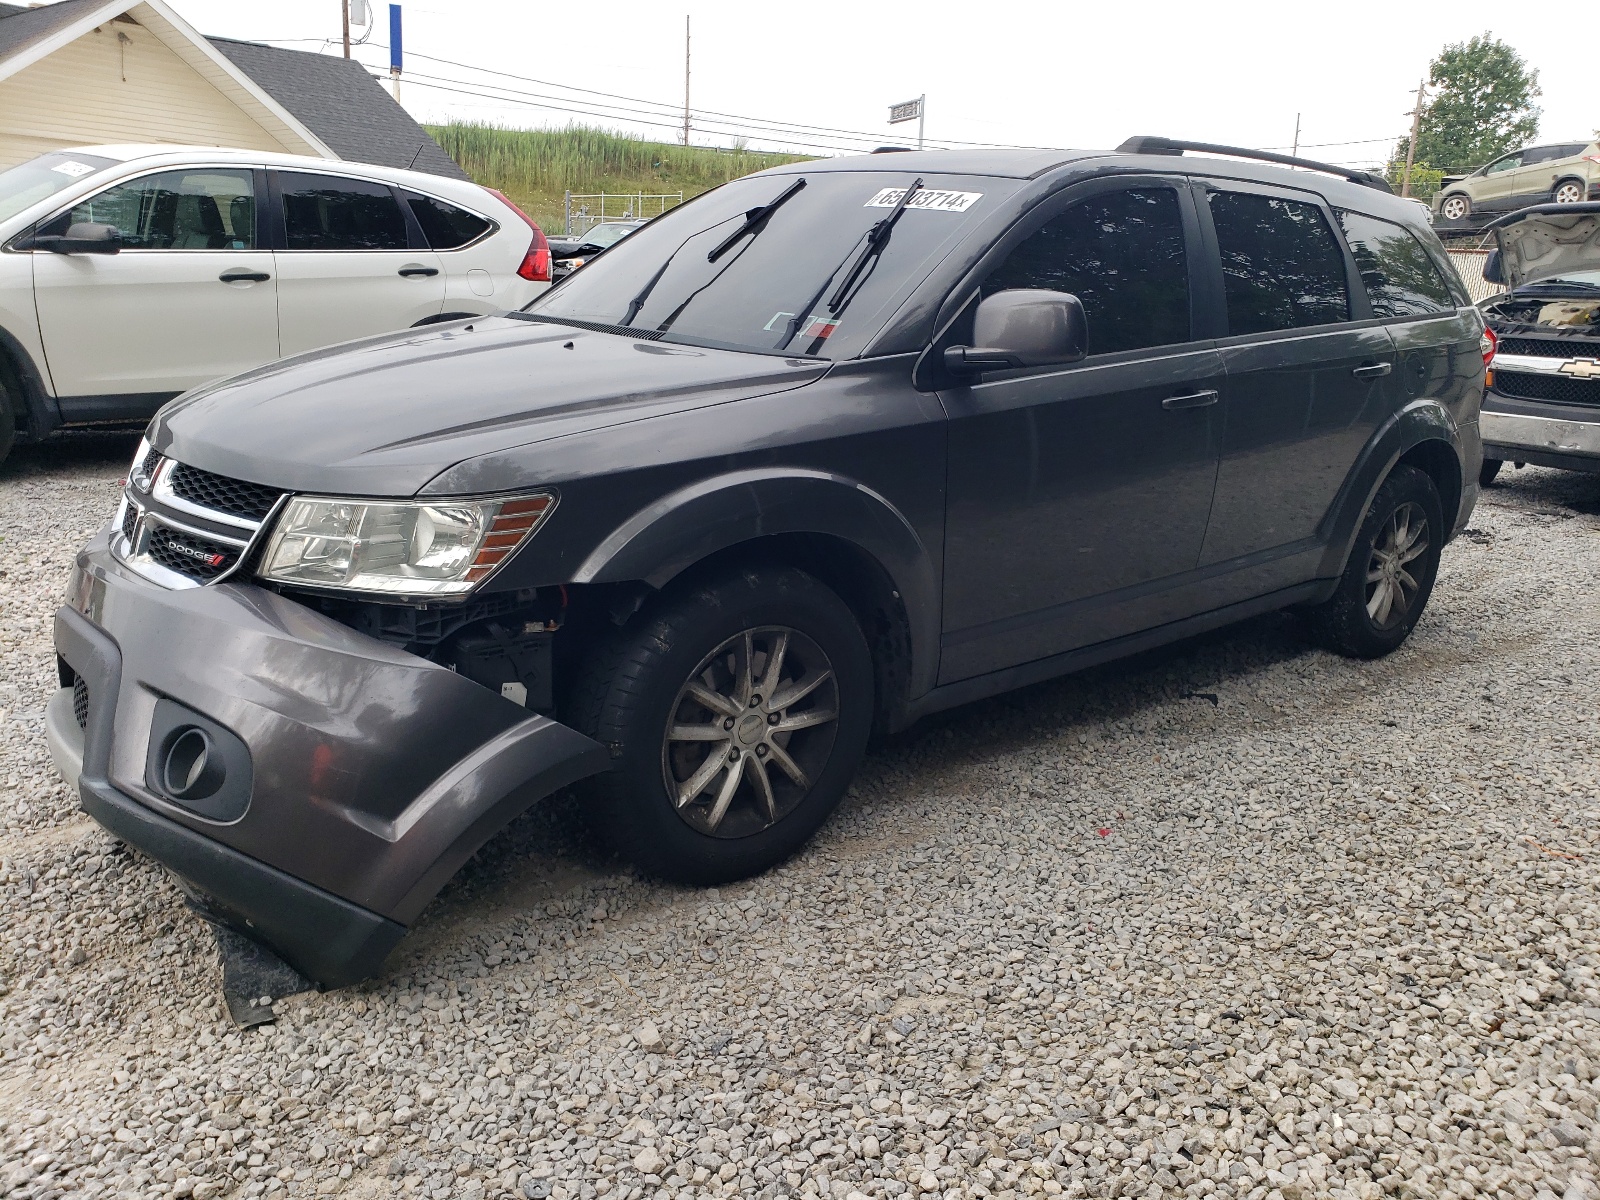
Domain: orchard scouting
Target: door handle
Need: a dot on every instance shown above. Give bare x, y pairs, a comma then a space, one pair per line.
408, 272
244, 277
1191, 400
1373, 371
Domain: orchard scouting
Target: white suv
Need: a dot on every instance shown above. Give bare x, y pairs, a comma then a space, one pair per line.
129, 274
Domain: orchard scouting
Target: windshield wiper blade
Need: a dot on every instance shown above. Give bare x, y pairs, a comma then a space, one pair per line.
755, 220
877, 238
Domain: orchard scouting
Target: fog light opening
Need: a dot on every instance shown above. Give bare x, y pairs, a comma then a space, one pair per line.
191, 769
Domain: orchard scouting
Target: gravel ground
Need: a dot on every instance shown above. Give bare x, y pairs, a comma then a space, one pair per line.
1237, 919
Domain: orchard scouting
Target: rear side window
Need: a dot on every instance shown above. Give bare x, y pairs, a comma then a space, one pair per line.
1400, 278
321, 212
1281, 267
446, 226
1122, 255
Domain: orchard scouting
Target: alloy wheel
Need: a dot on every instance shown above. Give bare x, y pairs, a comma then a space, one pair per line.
1455, 207
1569, 193
750, 731
1391, 587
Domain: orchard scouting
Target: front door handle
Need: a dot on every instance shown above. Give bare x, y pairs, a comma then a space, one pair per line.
244, 277
408, 272
1191, 399
1373, 371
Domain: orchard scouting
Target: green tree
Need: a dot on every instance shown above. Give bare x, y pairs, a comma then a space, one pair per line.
1482, 106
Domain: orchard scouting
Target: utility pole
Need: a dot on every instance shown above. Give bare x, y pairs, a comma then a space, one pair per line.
1411, 150
685, 79
1296, 151
346, 6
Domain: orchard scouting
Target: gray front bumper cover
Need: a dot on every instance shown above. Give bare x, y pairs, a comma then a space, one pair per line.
377, 774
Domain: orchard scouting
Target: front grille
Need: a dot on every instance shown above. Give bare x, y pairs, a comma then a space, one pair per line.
80, 702
1551, 347
1556, 388
152, 459
191, 555
235, 497
130, 520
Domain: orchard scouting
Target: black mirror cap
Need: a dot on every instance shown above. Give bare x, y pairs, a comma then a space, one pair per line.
1491, 268
84, 237
1023, 327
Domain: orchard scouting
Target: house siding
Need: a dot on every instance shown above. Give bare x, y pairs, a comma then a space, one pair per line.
78, 96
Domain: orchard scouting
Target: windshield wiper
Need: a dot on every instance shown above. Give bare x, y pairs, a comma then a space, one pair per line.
877, 239
755, 220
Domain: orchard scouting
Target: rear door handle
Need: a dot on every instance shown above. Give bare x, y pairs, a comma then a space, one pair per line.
1373, 371
244, 277
1191, 399
408, 272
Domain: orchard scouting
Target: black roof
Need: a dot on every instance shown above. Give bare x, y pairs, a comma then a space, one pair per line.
332, 96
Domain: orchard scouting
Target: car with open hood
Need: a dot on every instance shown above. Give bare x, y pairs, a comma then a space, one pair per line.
1543, 400
824, 450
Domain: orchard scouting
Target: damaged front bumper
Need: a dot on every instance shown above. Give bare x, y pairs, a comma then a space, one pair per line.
316, 787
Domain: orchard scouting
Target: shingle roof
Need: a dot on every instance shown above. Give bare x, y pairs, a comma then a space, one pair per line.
332, 96
343, 105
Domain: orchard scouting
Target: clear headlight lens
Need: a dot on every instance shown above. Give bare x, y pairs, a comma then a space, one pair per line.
439, 548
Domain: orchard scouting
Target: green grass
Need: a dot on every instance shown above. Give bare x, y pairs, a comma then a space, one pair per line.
536, 167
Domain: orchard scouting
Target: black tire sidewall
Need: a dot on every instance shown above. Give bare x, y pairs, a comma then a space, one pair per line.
660, 648
1489, 471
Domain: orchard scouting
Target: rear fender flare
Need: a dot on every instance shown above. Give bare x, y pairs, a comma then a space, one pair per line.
662, 540
1419, 423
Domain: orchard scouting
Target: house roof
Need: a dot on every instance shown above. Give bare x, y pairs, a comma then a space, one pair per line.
328, 103
342, 104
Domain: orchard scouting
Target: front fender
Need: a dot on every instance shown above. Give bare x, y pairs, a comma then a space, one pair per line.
667, 537
1421, 423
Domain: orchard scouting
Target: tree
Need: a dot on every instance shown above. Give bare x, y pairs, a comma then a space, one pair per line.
1482, 106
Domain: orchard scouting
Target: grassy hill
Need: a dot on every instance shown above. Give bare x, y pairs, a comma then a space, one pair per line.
536, 167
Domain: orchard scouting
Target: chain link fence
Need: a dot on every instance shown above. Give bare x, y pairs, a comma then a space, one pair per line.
584, 211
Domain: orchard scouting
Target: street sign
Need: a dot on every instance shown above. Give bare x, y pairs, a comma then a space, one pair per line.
908, 111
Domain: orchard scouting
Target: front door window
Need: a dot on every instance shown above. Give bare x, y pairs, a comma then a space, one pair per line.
195, 209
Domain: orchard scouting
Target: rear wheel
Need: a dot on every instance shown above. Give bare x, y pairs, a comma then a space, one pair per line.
1455, 207
1390, 572
1568, 191
10, 401
737, 715
1487, 472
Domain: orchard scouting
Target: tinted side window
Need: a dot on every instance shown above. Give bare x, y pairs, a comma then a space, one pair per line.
321, 212
1281, 267
445, 225
1401, 280
176, 210
1122, 254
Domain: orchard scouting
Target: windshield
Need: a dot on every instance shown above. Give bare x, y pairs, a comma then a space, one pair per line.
24, 186
605, 235
770, 290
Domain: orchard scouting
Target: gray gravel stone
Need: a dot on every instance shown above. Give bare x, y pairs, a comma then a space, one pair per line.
1334, 935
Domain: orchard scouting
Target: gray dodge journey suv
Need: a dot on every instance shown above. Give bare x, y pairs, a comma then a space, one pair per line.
825, 450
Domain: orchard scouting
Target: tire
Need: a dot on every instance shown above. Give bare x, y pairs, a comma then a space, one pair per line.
1487, 472
1455, 207
1355, 621
1568, 191
696, 665
10, 399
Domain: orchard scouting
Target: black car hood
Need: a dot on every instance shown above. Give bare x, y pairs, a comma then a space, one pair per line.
1548, 240
383, 416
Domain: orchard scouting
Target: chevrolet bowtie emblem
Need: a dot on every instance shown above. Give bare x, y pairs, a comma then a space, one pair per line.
1581, 368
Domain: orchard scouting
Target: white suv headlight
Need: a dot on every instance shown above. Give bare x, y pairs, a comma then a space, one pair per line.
434, 548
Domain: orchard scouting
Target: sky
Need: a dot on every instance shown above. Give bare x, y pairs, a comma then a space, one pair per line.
1037, 74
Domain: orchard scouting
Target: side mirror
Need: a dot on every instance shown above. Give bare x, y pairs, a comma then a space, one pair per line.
1491, 268
86, 237
1025, 327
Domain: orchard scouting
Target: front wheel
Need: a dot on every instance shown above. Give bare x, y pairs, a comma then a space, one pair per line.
1455, 207
1390, 572
737, 714
1568, 191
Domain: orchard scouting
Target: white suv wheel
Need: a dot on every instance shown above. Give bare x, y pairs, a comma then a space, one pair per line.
1454, 208
1569, 192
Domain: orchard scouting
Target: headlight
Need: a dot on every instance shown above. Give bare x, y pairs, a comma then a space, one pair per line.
439, 548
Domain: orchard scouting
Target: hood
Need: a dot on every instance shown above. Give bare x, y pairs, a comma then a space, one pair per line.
1547, 240
383, 416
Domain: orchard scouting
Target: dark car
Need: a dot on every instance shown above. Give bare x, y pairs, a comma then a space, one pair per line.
822, 451
1543, 399
570, 253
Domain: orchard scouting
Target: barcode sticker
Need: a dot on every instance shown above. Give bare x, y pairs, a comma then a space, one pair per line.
76, 169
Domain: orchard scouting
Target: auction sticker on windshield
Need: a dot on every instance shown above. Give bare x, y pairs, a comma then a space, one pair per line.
75, 169
926, 198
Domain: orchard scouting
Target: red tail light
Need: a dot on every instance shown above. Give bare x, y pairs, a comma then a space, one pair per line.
1488, 343
535, 266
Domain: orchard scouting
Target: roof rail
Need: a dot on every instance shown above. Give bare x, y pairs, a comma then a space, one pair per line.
1159, 145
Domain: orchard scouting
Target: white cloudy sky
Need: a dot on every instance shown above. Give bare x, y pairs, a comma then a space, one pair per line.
1048, 74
